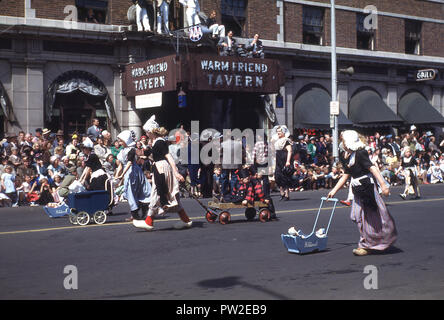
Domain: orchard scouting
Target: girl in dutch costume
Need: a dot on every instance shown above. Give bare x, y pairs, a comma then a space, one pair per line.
136, 188
94, 174
165, 195
409, 169
284, 168
376, 226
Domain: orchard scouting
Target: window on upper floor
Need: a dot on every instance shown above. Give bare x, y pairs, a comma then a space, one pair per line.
413, 37
365, 38
313, 25
92, 11
234, 14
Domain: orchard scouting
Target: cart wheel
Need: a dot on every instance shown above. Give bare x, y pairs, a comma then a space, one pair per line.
211, 217
264, 215
72, 218
83, 218
99, 217
250, 214
224, 217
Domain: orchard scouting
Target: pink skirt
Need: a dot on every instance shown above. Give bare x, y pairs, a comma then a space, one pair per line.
376, 227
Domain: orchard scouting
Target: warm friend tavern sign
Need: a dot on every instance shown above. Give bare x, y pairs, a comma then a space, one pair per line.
203, 73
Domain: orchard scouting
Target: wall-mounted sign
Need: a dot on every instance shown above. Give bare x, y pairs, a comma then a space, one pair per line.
215, 73
151, 76
203, 73
426, 74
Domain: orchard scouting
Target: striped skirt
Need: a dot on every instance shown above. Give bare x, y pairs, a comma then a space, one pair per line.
376, 226
172, 186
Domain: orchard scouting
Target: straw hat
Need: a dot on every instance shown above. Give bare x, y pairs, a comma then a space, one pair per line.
46, 131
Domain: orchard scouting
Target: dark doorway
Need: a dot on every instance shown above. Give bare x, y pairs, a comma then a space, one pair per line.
219, 111
73, 112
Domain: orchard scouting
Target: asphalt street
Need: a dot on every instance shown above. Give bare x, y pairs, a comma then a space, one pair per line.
241, 260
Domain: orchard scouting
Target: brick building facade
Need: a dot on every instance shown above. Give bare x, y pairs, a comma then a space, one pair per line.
35, 44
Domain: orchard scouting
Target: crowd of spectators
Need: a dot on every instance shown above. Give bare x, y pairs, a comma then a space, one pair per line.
315, 169
34, 167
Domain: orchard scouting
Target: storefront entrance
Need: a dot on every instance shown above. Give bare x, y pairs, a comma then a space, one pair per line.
74, 99
74, 112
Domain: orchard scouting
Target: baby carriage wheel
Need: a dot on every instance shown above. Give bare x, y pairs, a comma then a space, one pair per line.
250, 214
83, 218
211, 217
72, 218
224, 217
99, 217
264, 215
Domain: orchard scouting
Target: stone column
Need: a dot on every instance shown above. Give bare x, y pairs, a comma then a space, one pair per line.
117, 98
282, 113
28, 95
392, 98
134, 120
343, 97
437, 99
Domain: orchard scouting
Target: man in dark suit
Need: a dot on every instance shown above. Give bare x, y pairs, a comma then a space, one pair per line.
94, 131
228, 45
255, 48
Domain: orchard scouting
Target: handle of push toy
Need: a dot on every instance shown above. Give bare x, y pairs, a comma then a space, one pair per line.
335, 200
330, 199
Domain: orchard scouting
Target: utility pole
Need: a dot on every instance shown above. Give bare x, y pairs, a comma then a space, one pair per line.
334, 115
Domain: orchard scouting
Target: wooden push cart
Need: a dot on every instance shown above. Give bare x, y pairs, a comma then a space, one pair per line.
224, 216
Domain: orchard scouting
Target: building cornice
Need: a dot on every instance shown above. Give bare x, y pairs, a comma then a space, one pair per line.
299, 49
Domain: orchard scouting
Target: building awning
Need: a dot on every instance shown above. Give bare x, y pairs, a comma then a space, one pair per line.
312, 111
415, 109
367, 109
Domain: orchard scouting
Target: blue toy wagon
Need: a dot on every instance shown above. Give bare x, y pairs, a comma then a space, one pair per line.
315, 241
87, 206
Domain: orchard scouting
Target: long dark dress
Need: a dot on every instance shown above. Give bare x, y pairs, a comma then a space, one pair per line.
282, 180
376, 226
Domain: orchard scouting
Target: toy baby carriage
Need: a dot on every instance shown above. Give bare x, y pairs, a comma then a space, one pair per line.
89, 205
297, 242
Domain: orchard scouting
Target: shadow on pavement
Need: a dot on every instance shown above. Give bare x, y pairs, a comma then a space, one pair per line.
228, 282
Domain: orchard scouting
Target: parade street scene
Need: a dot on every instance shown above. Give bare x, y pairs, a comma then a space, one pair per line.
248, 151
245, 260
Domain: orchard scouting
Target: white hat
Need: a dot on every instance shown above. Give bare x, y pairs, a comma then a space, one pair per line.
284, 130
151, 124
87, 143
127, 136
351, 140
405, 149
209, 133
412, 127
